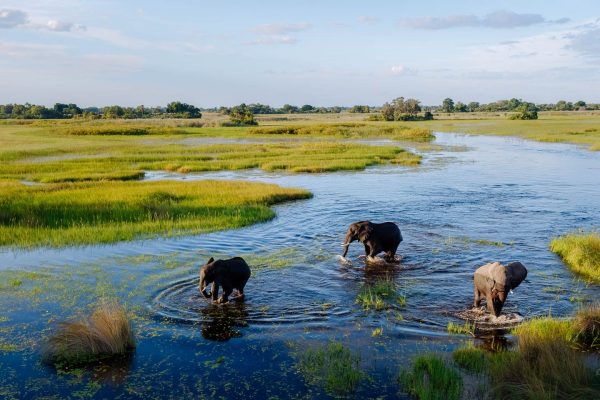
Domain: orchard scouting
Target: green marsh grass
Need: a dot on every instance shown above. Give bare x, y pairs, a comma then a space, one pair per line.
467, 328
581, 331
106, 333
333, 367
581, 253
106, 212
572, 127
380, 295
471, 358
432, 378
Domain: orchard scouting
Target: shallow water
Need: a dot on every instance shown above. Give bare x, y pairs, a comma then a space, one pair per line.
500, 200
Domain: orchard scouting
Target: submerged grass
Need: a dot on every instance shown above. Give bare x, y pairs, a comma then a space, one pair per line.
380, 295
106, 333
581, 252
431, 378
467, 328
333, 367
105, 212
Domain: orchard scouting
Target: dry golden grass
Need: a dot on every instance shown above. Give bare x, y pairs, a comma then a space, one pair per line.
106, 333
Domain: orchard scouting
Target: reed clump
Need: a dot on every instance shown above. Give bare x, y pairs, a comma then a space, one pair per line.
432, 378
581, 253
105, 334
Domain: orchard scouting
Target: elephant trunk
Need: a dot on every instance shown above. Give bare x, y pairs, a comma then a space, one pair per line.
498, 300
203, 285
349, 239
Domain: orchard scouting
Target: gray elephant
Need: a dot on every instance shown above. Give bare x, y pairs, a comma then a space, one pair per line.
229, 274
493, 281
376, 238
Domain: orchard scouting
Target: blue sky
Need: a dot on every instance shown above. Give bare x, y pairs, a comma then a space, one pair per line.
324, 53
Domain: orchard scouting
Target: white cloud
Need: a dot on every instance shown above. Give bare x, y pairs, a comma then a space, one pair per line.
61, 26
280, 28
367, 19
12, 18
398, 69
500, 19
274, 39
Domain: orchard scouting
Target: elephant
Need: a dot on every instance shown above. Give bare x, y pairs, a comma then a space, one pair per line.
494, 281
384, 237
229, 274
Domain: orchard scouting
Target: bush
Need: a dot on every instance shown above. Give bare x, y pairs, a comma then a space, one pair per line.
241, 115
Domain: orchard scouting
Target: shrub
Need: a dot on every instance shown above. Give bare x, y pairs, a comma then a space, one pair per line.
107, 333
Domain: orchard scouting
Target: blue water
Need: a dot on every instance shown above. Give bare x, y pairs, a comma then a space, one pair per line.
471, 192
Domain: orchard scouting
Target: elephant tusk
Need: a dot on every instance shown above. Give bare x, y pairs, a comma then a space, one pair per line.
345, 244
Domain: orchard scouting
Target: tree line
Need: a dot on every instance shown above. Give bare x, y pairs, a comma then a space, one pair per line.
175, 109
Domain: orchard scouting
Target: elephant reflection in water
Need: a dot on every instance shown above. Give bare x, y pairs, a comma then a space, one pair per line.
221, 323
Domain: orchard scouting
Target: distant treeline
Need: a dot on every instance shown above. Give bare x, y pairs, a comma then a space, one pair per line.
174, 109
398, 109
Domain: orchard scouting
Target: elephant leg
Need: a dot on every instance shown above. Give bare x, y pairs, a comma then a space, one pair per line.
214, 291
476, 298
226, 293
367, 250
391, 254
490, 303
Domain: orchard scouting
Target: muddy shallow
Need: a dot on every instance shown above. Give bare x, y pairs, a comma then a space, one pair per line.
502, 199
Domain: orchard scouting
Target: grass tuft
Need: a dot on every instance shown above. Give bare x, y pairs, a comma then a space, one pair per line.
467, 328
581, 252
470, 358
332, 367
431, 378
380, 295
107, 333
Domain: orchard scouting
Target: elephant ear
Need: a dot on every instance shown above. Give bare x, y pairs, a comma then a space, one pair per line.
365, 232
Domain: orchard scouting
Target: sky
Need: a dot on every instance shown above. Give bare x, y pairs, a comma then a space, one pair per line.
323, 53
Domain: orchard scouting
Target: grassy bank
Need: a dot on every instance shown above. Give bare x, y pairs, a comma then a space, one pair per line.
576, 128
581, 253
105, 212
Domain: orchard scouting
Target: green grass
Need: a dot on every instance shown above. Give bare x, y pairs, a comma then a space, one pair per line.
431, 378
581, 253
348, 130
380, 295
118, 129
573, 127
465, 329
109, 161
582, 331
106, 212
333, 367
470, 358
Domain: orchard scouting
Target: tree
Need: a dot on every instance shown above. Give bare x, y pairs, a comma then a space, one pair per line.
460, 107
360, 109
526, 111
183, 110
307, 108
289, 109
473, 106
448, 105
242, 115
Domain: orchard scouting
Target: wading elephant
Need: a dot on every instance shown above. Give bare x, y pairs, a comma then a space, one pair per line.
493, 281
229, 274
384, 237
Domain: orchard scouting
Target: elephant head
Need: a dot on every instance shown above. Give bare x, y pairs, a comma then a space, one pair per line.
502, 280
357, 231
207, 276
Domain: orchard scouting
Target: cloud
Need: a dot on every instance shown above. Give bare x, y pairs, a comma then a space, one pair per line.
586, 42
274, 39
61, 26
367, 19
501, 19
280, 29
12, 18
400, 69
